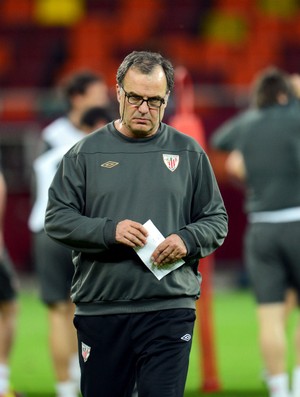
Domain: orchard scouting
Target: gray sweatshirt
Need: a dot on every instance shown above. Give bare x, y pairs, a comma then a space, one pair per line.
108, 177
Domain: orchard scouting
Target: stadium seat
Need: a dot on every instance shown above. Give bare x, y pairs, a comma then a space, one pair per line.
16, 13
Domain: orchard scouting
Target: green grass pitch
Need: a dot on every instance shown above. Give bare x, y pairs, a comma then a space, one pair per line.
238, 359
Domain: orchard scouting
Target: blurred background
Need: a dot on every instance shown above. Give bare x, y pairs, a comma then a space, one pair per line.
222, 43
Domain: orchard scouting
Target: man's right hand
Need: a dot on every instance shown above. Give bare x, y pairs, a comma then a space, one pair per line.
130, 233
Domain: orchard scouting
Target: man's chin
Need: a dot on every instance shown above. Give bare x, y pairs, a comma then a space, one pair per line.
142, 129
142, 132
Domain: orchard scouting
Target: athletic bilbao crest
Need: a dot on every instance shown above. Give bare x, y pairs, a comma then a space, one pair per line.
85, 351
171, 161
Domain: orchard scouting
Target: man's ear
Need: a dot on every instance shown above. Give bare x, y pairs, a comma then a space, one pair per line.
282, 98
118, 90
167, 98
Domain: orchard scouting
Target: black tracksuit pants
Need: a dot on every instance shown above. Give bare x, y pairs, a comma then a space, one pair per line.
150, 348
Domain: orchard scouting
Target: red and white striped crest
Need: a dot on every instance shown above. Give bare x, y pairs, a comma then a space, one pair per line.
171, 161
85, 351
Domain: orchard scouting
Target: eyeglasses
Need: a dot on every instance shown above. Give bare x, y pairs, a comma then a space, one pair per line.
136, 100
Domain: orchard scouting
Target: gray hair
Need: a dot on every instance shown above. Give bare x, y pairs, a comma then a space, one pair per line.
145, 62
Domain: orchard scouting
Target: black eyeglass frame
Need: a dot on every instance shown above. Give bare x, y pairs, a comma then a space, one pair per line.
139, 100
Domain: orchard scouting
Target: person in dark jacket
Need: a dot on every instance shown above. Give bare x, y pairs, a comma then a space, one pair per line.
267, 160
138, 203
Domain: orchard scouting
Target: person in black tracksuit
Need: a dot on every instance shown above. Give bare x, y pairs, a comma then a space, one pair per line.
130, 324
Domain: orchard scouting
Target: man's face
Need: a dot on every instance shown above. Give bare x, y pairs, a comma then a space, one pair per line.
138, 121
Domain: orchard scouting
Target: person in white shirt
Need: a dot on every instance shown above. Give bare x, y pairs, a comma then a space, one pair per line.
53, 262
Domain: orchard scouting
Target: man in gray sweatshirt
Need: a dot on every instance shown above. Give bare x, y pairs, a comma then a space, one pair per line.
116, 195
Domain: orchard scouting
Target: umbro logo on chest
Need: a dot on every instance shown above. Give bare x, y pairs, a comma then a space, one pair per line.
109, 164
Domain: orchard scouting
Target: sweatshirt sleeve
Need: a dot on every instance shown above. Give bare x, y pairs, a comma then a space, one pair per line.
225, 137
65, 221
209, 225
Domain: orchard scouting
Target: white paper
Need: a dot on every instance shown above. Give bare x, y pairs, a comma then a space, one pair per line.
153, 240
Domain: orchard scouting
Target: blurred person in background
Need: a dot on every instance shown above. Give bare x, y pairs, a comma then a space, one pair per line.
226, 139
133, 324
94, 118
87, 98
267, 161
8, 303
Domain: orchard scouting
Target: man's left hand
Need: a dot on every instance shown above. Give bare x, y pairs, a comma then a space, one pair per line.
169, 251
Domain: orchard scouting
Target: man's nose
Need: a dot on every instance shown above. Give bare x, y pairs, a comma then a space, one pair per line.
144, 106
